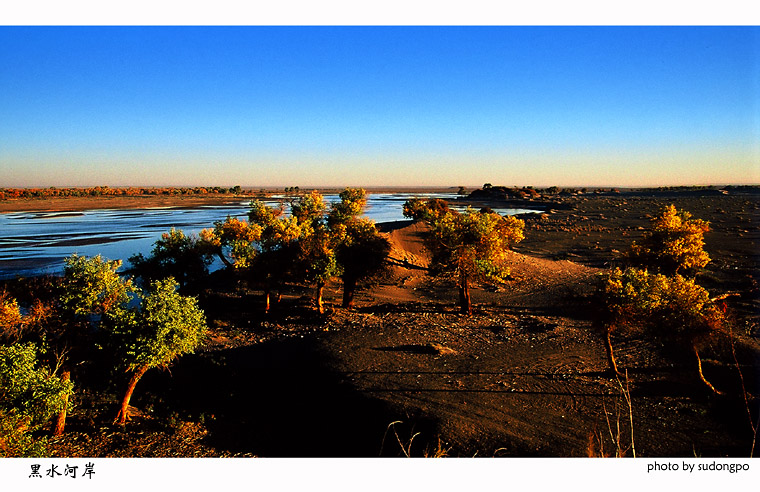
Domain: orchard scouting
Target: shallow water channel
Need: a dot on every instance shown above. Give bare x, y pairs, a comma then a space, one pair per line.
35, 243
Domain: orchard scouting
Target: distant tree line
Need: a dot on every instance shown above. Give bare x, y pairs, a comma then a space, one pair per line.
10, 193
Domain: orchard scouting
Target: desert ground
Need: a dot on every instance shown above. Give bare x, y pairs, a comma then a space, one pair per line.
404, 373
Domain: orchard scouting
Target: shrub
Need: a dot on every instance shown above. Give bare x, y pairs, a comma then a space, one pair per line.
10, 317
674, 311
29, 397
674, 243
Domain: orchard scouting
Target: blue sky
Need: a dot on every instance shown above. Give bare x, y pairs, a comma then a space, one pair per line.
379, 106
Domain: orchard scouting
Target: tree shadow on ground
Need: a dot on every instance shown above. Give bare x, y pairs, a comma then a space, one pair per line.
276, 399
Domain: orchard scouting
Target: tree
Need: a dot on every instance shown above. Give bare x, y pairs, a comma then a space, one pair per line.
672, 310
164, 327
429, 210
360, 250
311, 245
316, 261
233, 241
351, 204
10, 317
92, 286
673, 244
362, 254
308, 208
29, 397
277, 247
186, 258
91, 289
470, 246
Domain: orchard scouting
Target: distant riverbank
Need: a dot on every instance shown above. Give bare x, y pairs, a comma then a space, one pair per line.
78, 204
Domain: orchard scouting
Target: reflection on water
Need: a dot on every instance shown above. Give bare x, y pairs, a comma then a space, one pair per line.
33, 243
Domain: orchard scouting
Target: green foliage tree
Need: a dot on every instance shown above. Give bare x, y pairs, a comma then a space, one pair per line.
673, 310
43, 325
186, 258
93, 286
470, 246
164, 327
90, 289
673, 244
29, 397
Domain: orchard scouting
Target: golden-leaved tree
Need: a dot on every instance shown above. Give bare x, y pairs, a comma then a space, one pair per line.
471, 246
673, 311
313, 244
360, 251
653, 298
673, 243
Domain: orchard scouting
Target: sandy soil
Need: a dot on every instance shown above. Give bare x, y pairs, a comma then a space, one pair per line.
405, 373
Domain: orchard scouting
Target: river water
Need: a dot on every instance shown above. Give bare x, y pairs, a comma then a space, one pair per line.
35, 243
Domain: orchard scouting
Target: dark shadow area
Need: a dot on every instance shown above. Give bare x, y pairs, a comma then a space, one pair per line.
406, 264
414, 348
247, 309
275, 399
411, 307
393, 226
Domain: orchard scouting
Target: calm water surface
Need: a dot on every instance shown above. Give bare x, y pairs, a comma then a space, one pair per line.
34, 243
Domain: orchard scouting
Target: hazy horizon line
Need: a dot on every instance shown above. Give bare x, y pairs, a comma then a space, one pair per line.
390, 186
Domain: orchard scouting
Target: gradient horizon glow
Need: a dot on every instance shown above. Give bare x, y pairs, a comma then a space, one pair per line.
379, 106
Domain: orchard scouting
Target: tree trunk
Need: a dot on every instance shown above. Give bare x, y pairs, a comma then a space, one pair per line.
122, 416
224, 259
320, 303
701, 375
60, 422
465, 304
610, 354
349, 288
